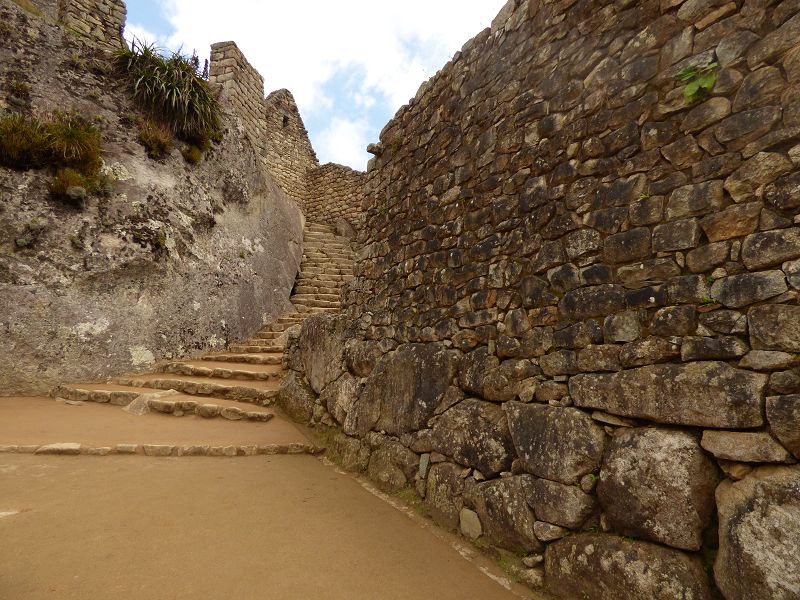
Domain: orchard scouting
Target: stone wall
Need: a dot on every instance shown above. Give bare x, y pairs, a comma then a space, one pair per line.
574, 327
335, 192
99, 22
272, 124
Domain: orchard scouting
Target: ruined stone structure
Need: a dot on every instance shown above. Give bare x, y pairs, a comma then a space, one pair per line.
99, 22
273, 125
574, 327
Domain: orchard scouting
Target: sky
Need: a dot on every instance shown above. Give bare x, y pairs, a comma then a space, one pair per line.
350, 64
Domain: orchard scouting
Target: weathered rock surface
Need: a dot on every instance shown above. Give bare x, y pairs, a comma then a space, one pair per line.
775, 327
759, 537
560, 444
745, 446
474, 433
443, 500
783, 414
322, 339
296, 398
706, 394
350, 453
338, 397
606, 567
658, 485
560, 504
392, 467
404, 389
504, 514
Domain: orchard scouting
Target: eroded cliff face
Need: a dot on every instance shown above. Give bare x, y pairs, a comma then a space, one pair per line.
173, 259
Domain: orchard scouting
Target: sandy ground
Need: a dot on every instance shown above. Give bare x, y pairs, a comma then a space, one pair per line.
284, 527
45, 421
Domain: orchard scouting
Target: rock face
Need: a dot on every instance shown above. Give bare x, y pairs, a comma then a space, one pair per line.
560, 444
775, 327
759, 537
475, 434
322, 349
405, 388
708, 394
657, 485
174, 260
606, 567
504, 514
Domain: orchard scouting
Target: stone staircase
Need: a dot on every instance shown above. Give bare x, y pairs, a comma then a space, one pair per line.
238, 383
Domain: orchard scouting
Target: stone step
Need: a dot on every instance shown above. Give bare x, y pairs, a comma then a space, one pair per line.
74, 449
251, 347
325, 247
318, 309
309, 289
309, 301
261, 393
256, 358
318, 297
221, 369
327, 281
163, 402
268, 335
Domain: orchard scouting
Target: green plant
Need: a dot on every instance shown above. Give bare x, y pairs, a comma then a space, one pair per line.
192, 154
19, 88
24, 142
699, 80
170, 89
76, 62
708, 301
74, 142
66, 179
156, 138
644, 195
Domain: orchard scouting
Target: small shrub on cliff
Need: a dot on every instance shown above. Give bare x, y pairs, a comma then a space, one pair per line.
24, 142
192, 154
156, 138
171, 90
74, 142
70, 185
699, 82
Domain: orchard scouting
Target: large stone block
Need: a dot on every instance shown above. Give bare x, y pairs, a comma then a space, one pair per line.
783, 414
560, 504
338, 397
443, 501
606, 567
475, 434
705, 394
775, 327
322, 340
768, 248
560, 444
392, 467
403, 390
506, 518
657, 485
759, 536
296, 398
748, 288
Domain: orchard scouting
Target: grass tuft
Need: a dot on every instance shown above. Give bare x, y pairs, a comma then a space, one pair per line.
192, 154
156, 138
170, 89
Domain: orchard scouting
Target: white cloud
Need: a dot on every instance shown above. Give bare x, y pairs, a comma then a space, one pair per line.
343, 141
303, 46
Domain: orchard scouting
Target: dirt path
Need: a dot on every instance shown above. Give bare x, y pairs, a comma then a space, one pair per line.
285, 527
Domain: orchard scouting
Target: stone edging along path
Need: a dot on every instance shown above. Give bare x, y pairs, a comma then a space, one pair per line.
75, 449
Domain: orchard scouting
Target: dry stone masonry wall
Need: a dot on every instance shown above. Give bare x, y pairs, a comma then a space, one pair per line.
336, 192
574, 327
274, 126
99, 22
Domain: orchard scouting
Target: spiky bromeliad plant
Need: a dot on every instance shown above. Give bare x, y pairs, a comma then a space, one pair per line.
171, 91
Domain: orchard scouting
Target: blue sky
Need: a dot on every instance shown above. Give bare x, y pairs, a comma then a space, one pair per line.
349, 63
